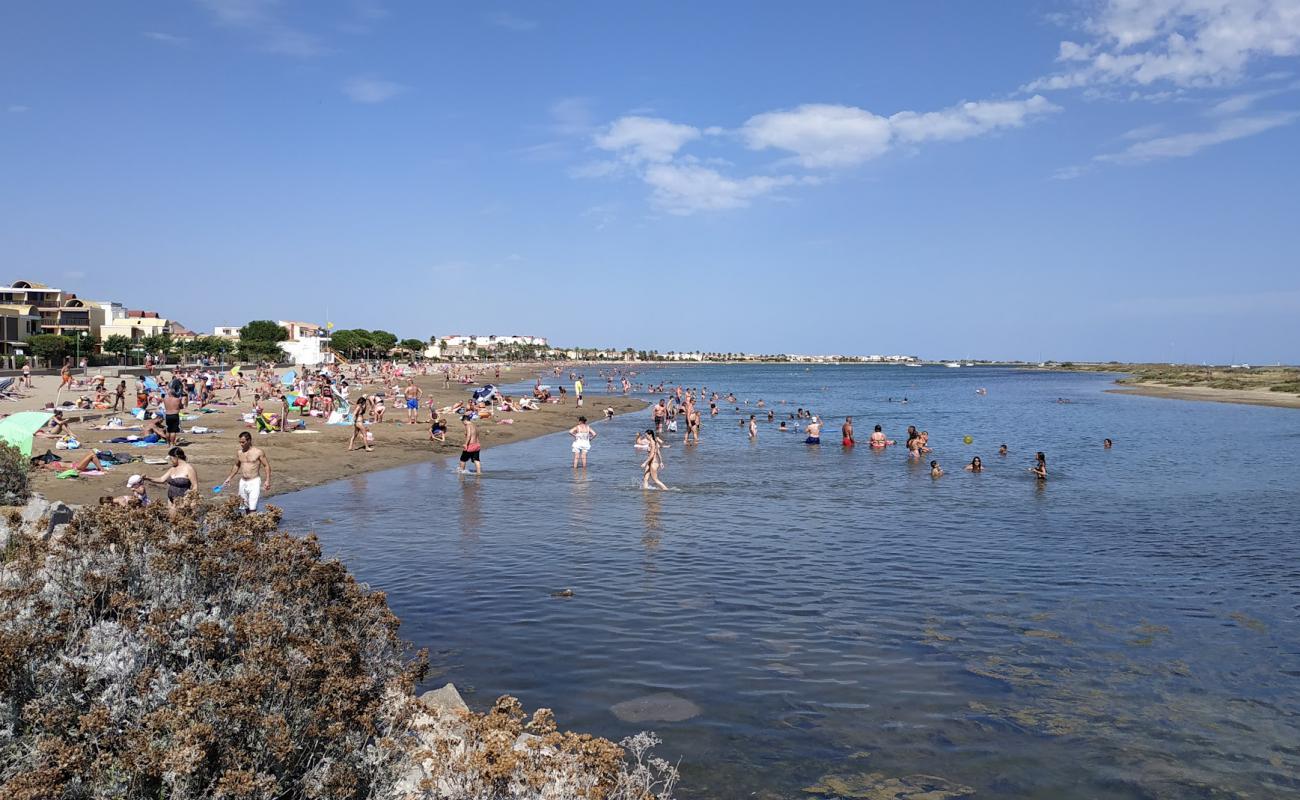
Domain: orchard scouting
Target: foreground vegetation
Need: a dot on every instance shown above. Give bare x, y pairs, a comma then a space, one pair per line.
210, 655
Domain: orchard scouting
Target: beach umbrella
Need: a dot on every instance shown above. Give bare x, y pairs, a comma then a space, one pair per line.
288, 378
234, 372
18, 429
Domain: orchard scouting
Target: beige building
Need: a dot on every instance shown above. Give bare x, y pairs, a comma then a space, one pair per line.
136, 325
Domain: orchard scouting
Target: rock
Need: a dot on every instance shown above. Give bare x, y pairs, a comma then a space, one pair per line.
446, 699
658, 707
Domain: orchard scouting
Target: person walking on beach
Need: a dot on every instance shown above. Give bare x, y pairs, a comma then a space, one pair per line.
65, 376
412, 402
172, 405
119, 397
653, 462
359, 426
27, 374
582, 434
577, 391
249, 463
470, 451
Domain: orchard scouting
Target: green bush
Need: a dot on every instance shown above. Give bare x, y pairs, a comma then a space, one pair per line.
14, 469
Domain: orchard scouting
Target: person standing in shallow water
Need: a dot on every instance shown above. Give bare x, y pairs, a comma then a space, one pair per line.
582, 434
470, 452
653, 462
847, 432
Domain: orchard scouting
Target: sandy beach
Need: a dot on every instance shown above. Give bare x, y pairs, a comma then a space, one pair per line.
1254, 397
298, 460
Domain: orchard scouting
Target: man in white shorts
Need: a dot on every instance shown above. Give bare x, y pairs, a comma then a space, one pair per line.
249, 462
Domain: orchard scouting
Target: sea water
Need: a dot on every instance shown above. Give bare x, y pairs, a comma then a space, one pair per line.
840, 619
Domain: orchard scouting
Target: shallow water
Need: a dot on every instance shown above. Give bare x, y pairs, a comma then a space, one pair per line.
1127, 630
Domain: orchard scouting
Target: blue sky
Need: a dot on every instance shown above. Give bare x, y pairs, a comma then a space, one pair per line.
1068, 180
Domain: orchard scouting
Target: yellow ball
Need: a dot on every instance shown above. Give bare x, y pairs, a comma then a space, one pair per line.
968, 440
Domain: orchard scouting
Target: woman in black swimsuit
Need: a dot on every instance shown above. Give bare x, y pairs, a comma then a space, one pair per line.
180, 479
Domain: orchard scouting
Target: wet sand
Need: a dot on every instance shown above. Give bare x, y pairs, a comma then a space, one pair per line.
1253, 397
298, 460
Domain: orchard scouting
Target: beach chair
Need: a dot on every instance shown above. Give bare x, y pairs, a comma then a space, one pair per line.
7, 390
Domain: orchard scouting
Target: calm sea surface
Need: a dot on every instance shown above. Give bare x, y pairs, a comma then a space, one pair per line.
1127, 630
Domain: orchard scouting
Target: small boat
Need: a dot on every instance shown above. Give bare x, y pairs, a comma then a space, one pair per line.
952, 364
911, 364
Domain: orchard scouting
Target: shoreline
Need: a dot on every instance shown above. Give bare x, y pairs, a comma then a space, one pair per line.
1251, 397
304, 460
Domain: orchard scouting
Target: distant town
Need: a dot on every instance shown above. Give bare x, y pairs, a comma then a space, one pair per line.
49, 324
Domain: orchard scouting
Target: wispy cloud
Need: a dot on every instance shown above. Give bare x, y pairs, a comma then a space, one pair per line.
504, 19
166, 38
829, 136
1188, 144
371, 90
818, 137
258, 19
1182, 43
18, 109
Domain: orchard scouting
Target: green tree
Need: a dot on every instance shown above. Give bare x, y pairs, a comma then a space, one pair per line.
160, 344
350, 342
50, 348
262, 330
383, 341
414, 345
118, 345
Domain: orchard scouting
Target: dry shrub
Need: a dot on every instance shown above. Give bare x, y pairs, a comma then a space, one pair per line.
14, 476
208, 655
203, 656
501, 754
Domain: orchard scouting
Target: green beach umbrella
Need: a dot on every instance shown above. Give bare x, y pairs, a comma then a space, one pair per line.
17, 429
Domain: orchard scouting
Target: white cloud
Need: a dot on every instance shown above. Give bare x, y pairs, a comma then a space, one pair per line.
965, 120
370, 90
687, 188
820, 135
827, 136
1188, 144
1186, 43
166, 38
645, 139
1069, 173
18, 109
504, 19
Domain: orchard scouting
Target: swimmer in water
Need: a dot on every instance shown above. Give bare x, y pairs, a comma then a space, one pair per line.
935, 471
782, 428
975, 465
847, 432
1002, 451
878, 439
1040, 467
814, 431
1106, 443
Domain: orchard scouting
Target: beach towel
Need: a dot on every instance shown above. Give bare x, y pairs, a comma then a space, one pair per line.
151, 384
288, 378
